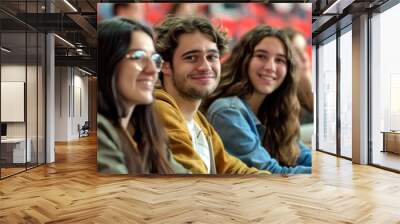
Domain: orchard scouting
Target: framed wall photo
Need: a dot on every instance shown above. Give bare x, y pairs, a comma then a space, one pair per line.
12, 101
193, 48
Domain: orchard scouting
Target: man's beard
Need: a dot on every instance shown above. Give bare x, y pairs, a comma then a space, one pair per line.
189, 92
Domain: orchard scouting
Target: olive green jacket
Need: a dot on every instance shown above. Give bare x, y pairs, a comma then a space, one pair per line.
110, 152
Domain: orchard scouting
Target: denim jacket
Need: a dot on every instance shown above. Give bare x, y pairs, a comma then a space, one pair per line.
242, 134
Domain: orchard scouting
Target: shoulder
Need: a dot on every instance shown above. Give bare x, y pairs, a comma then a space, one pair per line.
164, 101
101, 120
105, 127
166, 108
304, 147
226, 102
169, 113
107, 134
110, 158
227, 105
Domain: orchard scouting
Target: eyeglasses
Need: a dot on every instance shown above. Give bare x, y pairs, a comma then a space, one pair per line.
142, 59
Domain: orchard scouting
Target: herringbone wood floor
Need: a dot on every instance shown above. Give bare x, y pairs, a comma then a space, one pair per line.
70, 191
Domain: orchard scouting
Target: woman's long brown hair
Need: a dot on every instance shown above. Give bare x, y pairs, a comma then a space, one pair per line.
114, 37
279, 111
304, 90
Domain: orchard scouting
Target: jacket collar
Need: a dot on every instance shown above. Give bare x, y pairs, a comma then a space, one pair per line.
260, 127
162, 95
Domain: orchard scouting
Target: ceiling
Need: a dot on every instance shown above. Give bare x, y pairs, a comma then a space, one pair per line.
330, 15
32, 17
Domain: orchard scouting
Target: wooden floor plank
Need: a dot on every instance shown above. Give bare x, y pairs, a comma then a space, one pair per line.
71, 191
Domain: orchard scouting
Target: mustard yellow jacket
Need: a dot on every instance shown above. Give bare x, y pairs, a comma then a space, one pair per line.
181, 142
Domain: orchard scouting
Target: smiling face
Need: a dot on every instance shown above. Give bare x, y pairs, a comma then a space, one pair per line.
135, 83
268, 66
196, 67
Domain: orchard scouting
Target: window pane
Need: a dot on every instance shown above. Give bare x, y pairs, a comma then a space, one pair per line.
385, 89
346, 94
327, 97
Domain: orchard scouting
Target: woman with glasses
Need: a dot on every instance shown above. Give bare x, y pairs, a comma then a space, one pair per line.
255, 108
130, 140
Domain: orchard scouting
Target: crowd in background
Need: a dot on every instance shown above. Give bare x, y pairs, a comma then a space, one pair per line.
236, 18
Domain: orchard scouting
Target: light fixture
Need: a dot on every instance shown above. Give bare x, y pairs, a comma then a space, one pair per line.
80, 51
337, 7
331, 7
65, 41
5, 50
84, 71
71, 6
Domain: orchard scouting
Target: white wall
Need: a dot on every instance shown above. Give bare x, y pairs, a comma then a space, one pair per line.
71, 94
33, 126
61, 103
12, 73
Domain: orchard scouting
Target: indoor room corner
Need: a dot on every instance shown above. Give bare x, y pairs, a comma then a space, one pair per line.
48, 82
72, 100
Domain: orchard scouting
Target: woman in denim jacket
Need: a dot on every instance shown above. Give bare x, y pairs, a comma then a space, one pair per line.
255, 108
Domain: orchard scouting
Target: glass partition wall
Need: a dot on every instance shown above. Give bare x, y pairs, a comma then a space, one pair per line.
326, 96
334, 98
346, 93
13, 109
385, 90
22, 87
334, 95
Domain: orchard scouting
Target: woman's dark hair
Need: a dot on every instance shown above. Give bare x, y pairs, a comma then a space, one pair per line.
114, 38
279, 111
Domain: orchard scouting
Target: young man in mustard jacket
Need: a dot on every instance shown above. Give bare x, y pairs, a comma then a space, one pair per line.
191, 49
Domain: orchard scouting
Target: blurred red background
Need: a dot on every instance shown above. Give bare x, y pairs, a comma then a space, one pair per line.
234, 18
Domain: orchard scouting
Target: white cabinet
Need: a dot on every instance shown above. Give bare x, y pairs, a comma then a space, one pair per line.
15, 148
